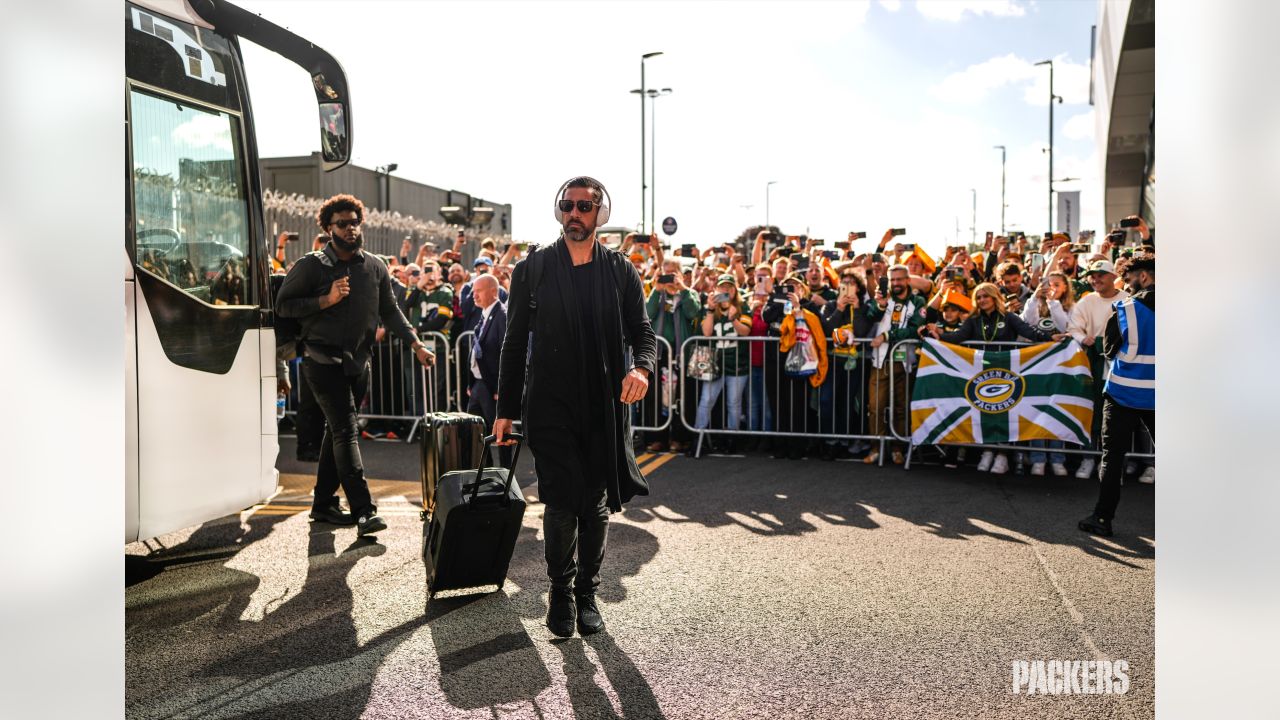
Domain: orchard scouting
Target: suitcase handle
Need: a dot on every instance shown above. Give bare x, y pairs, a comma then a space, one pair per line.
484, 455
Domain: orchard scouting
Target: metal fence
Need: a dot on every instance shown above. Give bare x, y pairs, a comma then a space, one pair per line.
735, 386
383, 231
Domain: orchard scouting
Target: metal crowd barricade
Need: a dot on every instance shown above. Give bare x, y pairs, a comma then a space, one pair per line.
653, 412
786, 406
912, 346
400, 388
461, 359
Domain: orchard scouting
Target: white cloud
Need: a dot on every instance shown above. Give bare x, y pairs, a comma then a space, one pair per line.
891, 5
954, 10
1079, 127
204, 131
971, 85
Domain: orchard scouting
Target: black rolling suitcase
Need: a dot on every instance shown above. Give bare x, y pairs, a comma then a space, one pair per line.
450, 441
470, 537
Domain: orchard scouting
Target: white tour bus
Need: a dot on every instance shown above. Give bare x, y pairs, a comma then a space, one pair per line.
200, 350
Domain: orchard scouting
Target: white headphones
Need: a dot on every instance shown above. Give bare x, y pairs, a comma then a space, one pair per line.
602, 216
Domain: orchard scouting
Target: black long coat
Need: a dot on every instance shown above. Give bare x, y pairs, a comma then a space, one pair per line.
550, 398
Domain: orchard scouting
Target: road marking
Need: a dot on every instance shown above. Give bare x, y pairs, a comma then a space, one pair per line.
657, 463
642, 458
1072, 611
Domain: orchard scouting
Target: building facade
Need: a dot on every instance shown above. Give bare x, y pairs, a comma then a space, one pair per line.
382, 191
1123, 95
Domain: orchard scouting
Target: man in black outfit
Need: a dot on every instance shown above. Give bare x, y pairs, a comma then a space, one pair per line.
339, 293
575, 309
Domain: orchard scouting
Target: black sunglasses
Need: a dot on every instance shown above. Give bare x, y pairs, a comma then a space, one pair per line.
584, 206
344, 224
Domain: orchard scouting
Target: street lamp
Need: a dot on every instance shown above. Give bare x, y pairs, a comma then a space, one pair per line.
1052, 97
1002, 205
653, 153
766, 202
644, 188
384, 172
973, 226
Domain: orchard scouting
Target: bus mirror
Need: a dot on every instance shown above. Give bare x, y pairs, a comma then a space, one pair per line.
333, 135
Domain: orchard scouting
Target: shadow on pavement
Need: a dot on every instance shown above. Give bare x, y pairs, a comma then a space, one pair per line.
487, 657
302, 660
785, 498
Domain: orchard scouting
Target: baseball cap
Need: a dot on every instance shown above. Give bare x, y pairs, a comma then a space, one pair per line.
484, 260
726, 278
1099, 266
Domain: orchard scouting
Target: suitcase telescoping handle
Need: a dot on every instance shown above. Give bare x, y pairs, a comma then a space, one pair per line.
484, 455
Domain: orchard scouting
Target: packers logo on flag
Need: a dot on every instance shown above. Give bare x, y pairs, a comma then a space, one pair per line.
995, 390
964, 395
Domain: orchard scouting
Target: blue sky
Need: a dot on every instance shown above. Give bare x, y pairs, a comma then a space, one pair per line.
867, 116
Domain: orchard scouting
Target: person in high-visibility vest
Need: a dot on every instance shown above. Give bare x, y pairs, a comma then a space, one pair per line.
1129, 396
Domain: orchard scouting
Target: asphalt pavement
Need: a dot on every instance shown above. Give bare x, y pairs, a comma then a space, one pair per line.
742, 587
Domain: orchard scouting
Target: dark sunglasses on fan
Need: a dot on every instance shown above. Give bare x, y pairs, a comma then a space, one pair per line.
584, 206
344, 224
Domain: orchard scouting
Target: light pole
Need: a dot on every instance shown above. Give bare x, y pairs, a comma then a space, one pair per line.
644, 187
973, 225
653, 154
1002, 205
766, 202
384, 172
1052, 97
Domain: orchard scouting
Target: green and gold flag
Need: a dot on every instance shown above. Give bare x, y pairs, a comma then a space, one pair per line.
966, 395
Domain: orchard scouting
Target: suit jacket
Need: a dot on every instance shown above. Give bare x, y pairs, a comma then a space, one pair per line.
467, 306
547, 344
487, 346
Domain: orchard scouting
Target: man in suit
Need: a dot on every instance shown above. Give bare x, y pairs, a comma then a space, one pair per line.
491, 327
575, 308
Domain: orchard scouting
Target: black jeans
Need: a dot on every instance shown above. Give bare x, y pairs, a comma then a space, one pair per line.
308, 420
339, 397
1119, 423
570, 469
582, 531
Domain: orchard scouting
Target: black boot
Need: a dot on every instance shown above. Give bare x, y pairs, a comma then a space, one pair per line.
1096, 525
589, 620
561, 612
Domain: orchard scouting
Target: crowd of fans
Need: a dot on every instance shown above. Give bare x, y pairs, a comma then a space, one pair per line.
828, 319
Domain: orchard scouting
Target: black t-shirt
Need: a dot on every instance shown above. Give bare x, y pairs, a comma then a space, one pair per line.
591, 353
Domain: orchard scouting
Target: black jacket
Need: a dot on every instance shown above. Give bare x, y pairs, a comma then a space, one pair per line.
487, 346
546, 345
343, 332
996, 328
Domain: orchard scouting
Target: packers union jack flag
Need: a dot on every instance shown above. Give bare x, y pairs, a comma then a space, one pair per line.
966, 395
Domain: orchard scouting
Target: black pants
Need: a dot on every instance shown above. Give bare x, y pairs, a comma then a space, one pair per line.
481, 403
308, 421
1119, 423
339, 397
571, 469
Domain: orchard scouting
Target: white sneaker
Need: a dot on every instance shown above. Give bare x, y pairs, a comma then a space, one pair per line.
1059, 469
984, 461
1085, 471
1037, 468
1001, 465
1148, 476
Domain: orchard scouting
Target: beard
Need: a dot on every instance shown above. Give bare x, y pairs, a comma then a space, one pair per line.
576, 232
348, 247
